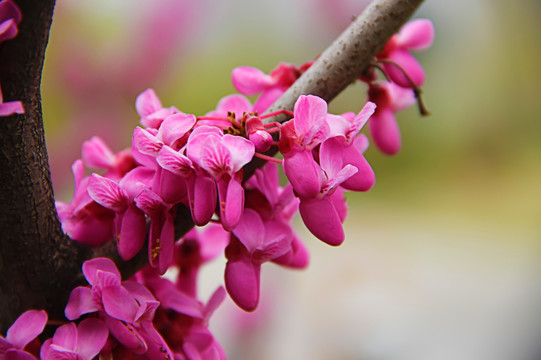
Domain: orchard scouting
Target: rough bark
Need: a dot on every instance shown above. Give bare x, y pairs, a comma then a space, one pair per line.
39, 265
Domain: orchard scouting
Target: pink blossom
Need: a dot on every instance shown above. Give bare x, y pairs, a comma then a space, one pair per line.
73, 342
183, 320
126, 307
196, 248
384, 129
254, 242
119, 197
199, 185
417, 34
10, 17
223, 157
162, 229
150, 108
23, 331
85, 220
97, 155
250, 81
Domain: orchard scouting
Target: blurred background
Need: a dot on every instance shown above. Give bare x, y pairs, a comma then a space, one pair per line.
442, 257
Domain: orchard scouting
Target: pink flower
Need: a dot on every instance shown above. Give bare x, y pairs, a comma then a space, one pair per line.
84, 220
254, 242
25, 329
10, 107
150, 108
196, 248
417, 34
200, 187
162, 229
223, 157
250, 81
76, 343
10, 17
126, 307
384, 129
298, 137
183, 320
97, 155
119, 197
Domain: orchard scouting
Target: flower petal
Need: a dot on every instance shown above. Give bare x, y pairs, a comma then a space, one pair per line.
26, 328
250, 80
80, 302
92, 266
385, 132
147, 103
417, 34
322, 219
91, 337
96, 154
107, 193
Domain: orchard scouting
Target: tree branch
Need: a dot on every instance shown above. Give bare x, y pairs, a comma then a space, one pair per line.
38, 263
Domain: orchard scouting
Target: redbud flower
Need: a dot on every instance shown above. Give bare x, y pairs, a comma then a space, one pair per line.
72, 342
417, 34
223, 157
126, 307
25, 329
150, 108
84, 220
250, 81
384, 129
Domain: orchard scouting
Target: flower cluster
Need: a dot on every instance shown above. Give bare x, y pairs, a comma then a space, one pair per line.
10, 17
404, 77
180, 163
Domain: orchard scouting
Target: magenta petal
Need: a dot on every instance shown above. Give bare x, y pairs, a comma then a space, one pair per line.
175, 126
234, 103
80, 302
175, 162
96, 154
11, 107
92, 266
241, 149
250, 230
215, 300
365, 178
265, 100
202, 199
385, 132
13, 354
66, 336
167, 244
250, 81
417, 34
147, 103
26, 328
410, 65
322, 219
145, 142
107, 193
298, 257
242, 282
310, 113
132, 233
303, 172
231, 203
91, 337
127, 334
119, 303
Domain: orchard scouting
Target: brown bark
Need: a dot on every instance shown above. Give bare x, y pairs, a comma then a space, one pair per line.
39, 265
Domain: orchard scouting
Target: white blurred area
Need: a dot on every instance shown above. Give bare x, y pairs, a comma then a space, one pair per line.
441, 259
